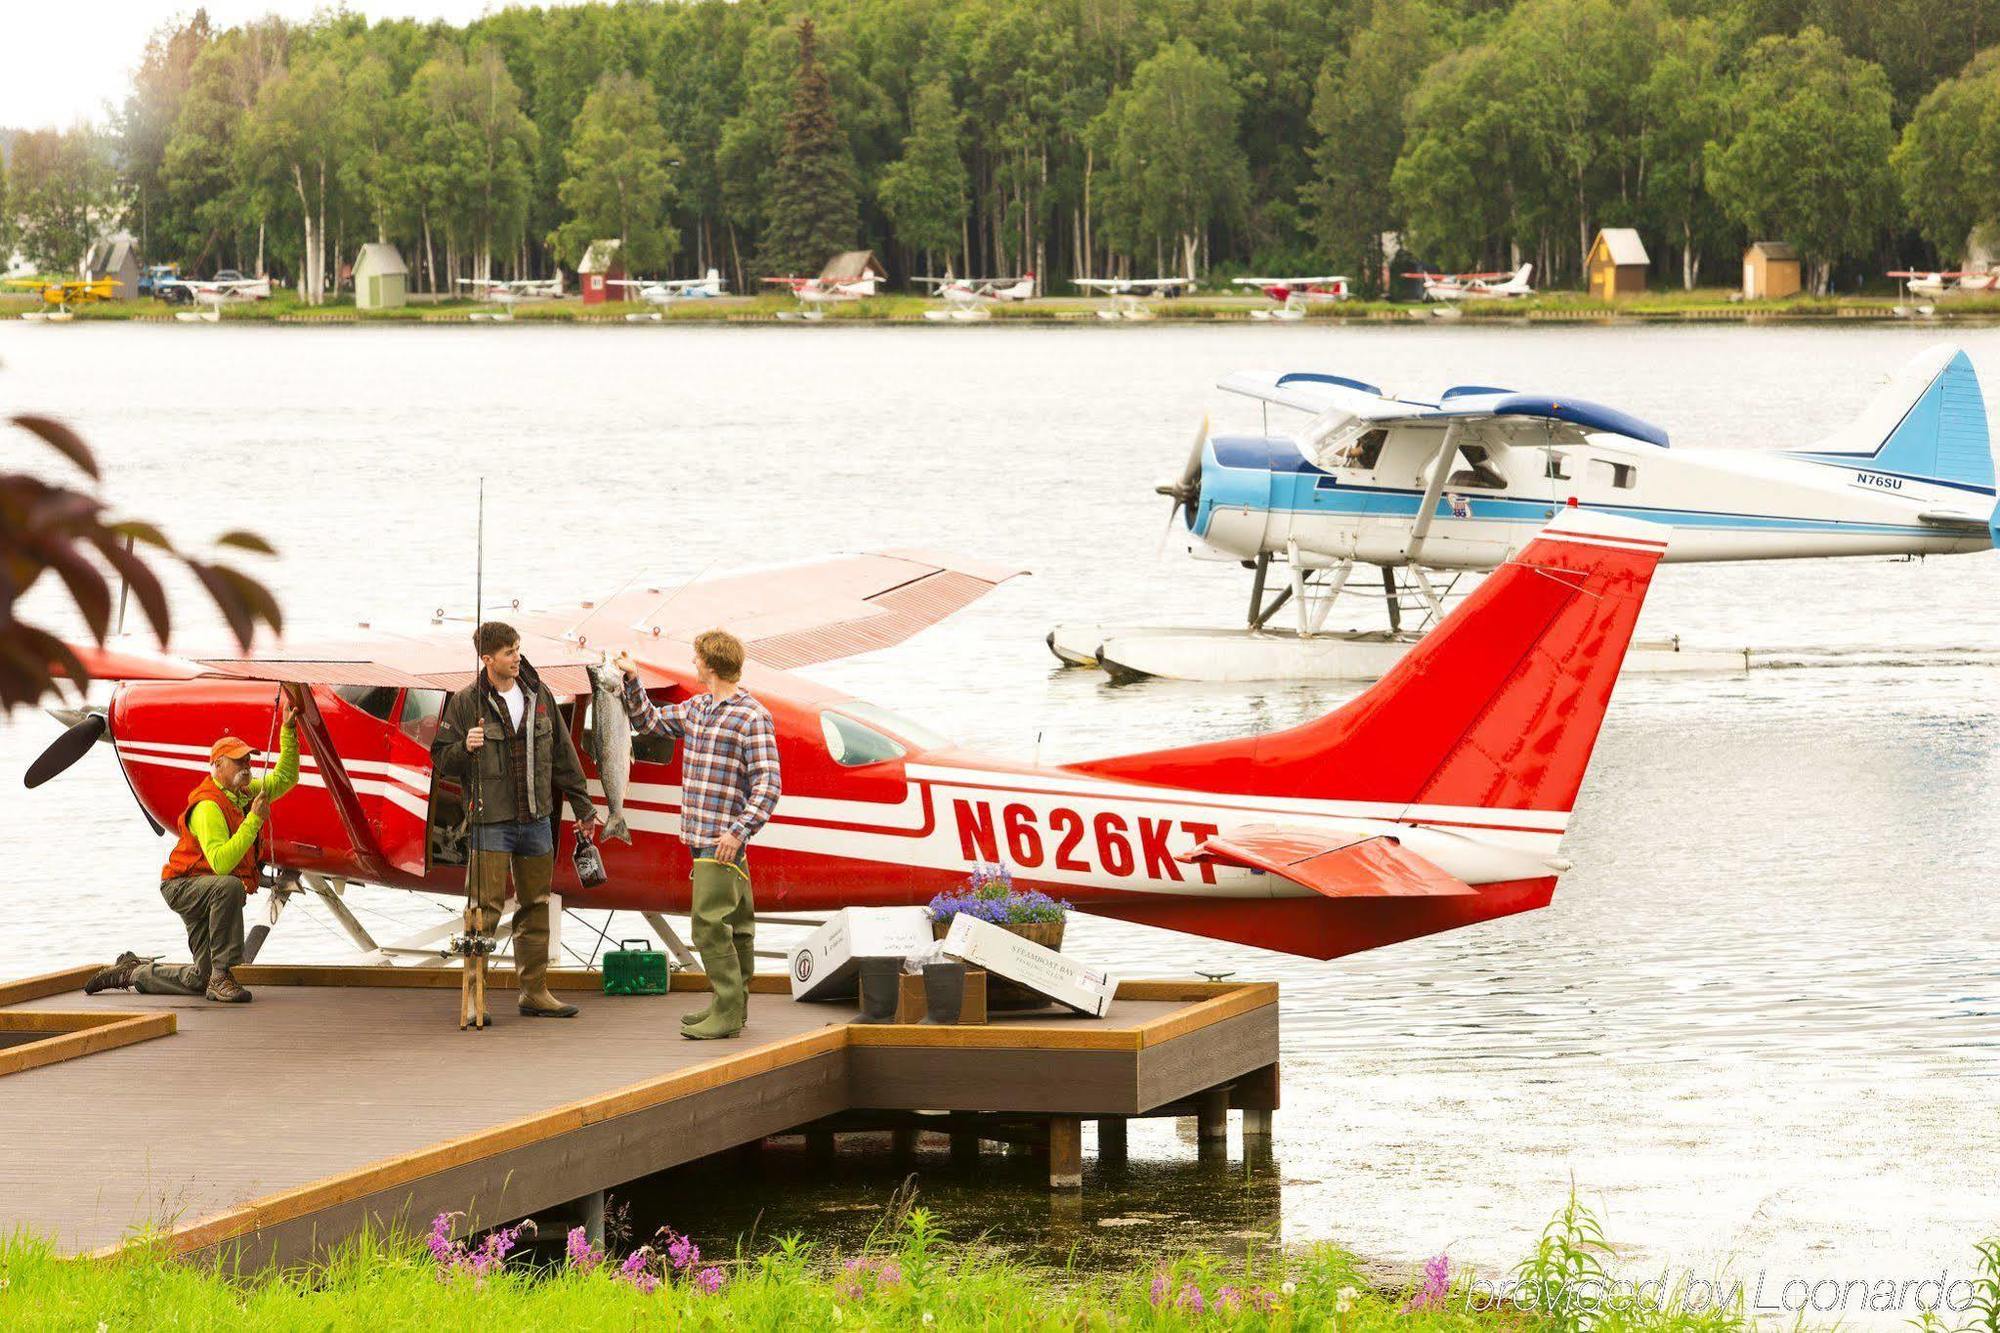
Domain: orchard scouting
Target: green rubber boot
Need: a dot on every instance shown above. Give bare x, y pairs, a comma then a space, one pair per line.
726, 976
700, 1015
746, 965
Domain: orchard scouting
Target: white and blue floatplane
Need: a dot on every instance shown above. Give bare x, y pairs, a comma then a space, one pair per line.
1425, 491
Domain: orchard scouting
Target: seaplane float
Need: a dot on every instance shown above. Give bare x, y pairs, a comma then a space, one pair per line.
1429, 490
1437, 799
664, 292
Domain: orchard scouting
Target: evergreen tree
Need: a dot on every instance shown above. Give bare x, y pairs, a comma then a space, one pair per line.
812, 213
620, 180
924, 192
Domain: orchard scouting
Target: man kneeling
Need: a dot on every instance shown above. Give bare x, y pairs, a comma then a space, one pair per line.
212, 870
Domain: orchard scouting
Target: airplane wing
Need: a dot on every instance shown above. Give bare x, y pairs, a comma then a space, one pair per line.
1332, 865
787, 616
1314, 392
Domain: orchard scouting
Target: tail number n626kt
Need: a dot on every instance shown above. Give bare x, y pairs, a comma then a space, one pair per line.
1107, 843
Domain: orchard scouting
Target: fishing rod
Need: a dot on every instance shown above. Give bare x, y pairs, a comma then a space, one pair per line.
474, 945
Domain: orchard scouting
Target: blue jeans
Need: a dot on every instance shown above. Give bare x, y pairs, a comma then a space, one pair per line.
518, 837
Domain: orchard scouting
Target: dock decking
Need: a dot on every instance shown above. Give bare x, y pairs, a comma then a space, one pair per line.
347, 1097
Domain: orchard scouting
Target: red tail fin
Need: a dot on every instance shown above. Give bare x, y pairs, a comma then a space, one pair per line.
1499, 706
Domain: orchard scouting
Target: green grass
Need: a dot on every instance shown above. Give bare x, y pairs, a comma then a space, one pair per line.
908, 1277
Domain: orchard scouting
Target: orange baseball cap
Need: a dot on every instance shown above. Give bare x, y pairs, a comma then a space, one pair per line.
229, 748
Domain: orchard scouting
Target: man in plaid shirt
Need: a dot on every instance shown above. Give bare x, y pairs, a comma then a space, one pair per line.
729, 787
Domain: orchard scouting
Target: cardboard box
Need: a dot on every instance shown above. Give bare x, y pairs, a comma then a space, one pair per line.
911, 1005
1043, 971
828, 965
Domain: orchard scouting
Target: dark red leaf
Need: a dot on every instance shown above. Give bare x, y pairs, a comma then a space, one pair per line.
62, 439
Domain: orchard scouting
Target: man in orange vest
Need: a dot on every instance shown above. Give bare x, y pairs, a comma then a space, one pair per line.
212, 870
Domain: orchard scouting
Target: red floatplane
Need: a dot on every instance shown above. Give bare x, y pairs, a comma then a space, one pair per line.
1437, 799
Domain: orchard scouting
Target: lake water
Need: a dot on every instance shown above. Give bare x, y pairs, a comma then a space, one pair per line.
1760, 1026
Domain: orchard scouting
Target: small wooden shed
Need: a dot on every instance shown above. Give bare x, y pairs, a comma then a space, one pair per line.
115, 257
601, 265
1770, 270
381, 280
853, 266
1617, 264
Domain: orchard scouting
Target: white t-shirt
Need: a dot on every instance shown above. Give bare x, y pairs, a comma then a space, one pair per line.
517, 704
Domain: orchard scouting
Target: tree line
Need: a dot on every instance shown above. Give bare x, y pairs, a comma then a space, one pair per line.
1070, 138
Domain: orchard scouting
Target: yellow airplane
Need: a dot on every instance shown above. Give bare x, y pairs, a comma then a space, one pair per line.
79, 291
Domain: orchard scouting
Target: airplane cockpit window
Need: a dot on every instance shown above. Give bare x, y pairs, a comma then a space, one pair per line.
1479, 472
374, 700
853, 745
1360, 452
421, 710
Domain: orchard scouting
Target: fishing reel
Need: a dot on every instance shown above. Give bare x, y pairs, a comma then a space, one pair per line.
473, 946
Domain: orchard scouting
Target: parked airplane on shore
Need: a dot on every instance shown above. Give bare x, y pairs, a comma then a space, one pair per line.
1416, 487
1936, 282
1128, 296
969, 298
1476, 286
58, 297
1438, 799
665, 291
508, 294
1293, 295
816, 293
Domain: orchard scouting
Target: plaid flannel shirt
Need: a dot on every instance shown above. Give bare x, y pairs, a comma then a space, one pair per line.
729, 762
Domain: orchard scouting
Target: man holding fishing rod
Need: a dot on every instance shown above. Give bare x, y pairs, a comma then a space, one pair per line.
729, 788
503, 739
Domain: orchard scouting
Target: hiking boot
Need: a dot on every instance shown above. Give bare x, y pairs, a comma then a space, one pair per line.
116, 977
222, 988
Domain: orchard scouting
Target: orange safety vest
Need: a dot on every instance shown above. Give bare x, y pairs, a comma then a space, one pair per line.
188, 858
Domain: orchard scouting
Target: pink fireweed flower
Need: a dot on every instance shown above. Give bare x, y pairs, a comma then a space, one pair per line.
633, 1270
709, 1280
583, 1256
1159, 1288
1437, 1281
683, 1253
888, 1274
1191, 1300
1225, 1298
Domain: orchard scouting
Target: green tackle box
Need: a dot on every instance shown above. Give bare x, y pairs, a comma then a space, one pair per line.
633, 968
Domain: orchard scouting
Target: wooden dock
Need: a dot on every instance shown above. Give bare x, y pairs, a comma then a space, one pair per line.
345, 1098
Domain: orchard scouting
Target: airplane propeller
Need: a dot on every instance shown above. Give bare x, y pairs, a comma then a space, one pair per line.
1185, 489
66, 749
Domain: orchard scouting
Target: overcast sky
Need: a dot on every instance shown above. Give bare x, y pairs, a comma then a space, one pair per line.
64, 61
